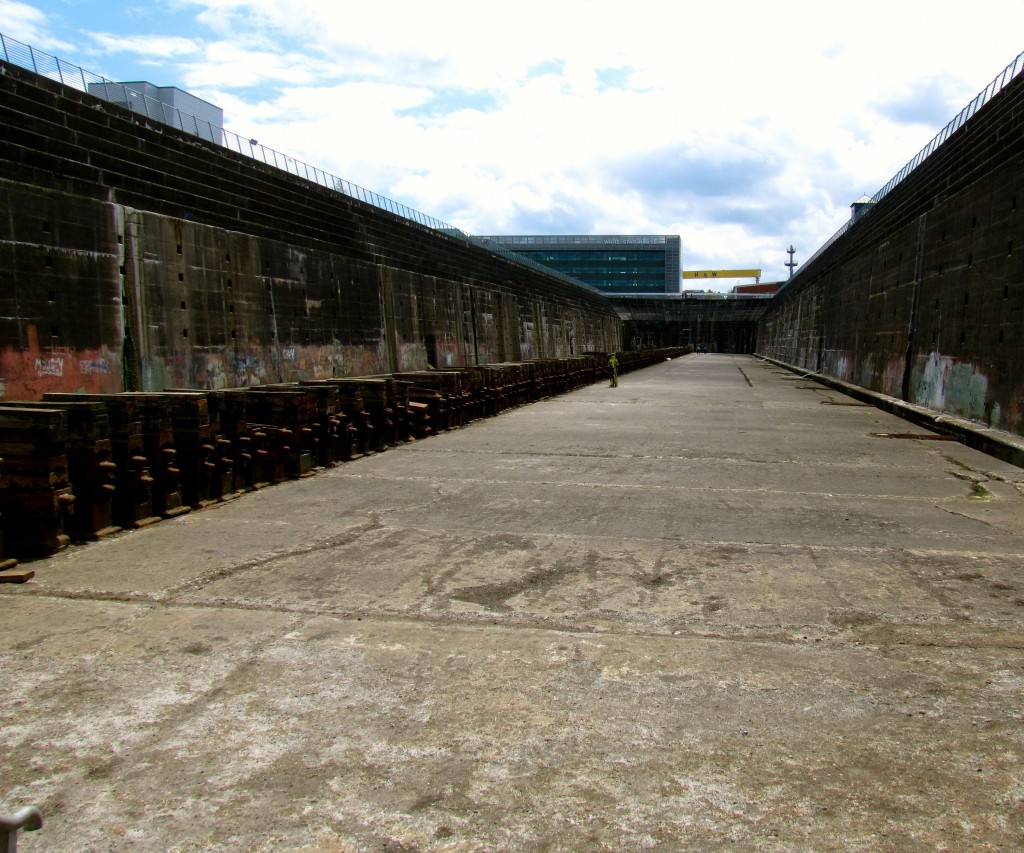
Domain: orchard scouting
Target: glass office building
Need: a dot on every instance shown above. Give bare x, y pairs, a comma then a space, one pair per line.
622, 265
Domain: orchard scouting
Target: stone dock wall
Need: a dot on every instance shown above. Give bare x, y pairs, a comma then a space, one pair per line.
134, 256
922, 298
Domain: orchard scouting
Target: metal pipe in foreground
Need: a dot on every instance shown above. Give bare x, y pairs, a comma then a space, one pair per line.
28, 818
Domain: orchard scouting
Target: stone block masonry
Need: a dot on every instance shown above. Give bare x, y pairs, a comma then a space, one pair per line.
134, 256
923, 298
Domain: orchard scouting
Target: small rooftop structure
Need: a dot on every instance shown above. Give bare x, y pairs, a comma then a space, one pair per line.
861, 206
168, 104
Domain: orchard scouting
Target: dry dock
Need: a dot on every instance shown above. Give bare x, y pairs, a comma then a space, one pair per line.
718, 607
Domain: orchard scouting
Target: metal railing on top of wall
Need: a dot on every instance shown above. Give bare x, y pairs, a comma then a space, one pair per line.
983, 97
68, 74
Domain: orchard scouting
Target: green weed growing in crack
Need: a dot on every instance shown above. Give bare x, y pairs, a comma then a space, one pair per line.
980, 493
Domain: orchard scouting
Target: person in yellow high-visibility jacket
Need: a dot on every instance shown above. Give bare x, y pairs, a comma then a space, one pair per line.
613, 363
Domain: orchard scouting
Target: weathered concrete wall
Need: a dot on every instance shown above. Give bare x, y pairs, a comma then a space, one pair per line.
136, 256
60, 294
923, 298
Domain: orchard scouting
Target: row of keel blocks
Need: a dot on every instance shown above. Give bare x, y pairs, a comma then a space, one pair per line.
77, 467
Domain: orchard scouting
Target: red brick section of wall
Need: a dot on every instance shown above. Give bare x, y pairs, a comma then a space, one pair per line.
923, 298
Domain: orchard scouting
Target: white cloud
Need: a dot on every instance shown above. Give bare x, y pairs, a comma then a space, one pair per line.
743, 126
149, 48
27, 24
236, 64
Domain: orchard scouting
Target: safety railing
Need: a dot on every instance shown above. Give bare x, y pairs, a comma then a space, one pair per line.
983, 97
68, 74
1001, 81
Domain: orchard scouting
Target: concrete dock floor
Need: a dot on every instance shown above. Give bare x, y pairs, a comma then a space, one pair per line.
719, 607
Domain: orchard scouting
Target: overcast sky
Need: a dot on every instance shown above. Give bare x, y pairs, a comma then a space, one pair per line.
743, 127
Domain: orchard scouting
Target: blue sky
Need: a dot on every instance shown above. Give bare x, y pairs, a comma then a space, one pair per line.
744, 127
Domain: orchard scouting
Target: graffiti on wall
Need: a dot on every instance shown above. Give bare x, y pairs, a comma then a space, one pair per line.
948, 385
93, 366
29, 373
50, 365
892, 376
246, 368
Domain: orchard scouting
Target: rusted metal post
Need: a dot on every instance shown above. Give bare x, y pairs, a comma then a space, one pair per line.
28, 818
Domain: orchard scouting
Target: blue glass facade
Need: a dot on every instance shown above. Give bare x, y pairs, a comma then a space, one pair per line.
625, 265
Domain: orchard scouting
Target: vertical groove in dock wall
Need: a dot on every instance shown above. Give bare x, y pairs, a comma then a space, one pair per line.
135, 256
923, 298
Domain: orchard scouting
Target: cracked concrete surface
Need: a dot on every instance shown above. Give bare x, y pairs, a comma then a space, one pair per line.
704, 610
